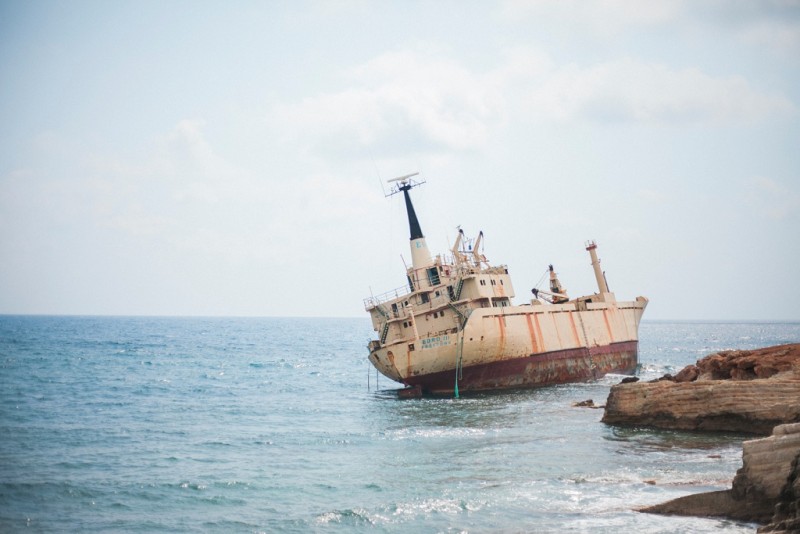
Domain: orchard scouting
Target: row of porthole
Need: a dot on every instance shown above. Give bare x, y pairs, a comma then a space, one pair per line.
436, 315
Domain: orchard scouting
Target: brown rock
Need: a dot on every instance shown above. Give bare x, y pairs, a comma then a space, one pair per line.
745, 402
787, 512
752, 406
688, 374
749, 364
765, 490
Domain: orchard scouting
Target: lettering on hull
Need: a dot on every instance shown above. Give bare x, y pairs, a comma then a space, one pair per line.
438, 341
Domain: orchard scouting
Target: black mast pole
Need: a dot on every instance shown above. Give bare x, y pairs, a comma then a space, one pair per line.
413, 222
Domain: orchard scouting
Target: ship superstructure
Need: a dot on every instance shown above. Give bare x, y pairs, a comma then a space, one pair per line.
453, 326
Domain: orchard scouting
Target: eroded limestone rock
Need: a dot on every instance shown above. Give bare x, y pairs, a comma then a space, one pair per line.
733, 391
765, 490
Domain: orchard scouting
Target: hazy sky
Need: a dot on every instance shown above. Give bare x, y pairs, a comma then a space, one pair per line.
225, 158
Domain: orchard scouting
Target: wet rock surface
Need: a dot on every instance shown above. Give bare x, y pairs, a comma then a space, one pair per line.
748, 391
765, 490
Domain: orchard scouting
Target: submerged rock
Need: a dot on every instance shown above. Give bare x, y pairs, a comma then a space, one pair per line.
589, 403
749, 391
765, 490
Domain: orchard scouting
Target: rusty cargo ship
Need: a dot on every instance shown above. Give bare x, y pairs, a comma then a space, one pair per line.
453, 327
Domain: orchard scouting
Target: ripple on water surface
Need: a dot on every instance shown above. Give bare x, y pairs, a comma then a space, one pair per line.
171, 425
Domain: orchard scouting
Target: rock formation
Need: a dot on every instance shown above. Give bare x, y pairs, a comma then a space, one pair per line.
765, 490
749, 391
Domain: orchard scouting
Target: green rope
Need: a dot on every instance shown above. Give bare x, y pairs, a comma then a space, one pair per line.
460, 347
459, 355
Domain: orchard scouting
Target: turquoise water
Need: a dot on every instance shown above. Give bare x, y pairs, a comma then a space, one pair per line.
268, 425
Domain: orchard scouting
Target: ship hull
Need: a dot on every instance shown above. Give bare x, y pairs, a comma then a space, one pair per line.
534, 370
518, 347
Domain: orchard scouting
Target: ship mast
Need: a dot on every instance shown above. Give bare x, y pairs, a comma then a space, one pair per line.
599, 275
420, 255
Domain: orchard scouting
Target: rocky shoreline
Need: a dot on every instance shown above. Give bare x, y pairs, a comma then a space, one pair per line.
765, 490
748, 391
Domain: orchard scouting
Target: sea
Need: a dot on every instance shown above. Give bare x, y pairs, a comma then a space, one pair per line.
162, 424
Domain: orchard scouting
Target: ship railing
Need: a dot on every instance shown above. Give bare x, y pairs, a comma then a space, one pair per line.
373, 301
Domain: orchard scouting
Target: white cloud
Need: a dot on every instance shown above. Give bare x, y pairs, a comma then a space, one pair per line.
782, 36
772, 24
602, 17
186, 195
412, 98
421, 100
631, 90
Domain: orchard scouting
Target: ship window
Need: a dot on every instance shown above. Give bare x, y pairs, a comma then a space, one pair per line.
433, 276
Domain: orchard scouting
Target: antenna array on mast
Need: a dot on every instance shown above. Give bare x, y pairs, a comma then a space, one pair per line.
403, 183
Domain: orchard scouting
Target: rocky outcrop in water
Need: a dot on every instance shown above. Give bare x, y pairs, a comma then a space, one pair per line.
765, 490
749, 391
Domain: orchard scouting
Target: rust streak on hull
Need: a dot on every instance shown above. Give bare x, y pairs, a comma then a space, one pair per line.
574, 330
539, 331
534, 345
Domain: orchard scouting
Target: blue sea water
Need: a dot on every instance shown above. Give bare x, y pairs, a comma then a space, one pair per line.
114, 424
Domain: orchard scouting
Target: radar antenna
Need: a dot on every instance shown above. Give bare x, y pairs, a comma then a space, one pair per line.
403, 183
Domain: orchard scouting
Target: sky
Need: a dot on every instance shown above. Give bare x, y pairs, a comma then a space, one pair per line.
230, 158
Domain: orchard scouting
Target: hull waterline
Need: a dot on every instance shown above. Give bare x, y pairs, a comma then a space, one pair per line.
535, 370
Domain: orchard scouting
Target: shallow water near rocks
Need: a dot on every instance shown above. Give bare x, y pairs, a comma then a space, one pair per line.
278, 425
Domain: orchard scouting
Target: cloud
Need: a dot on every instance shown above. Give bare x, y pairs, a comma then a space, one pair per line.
773, 24
635, 91
420, 100
185, 194
410, 98
601, 17
782, 36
